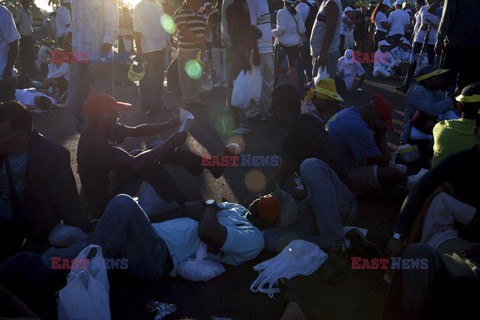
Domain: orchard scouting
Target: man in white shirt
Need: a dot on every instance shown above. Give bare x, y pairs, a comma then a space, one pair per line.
93, 30
63, 20
8, 53
151, 40
24, 20
399, 20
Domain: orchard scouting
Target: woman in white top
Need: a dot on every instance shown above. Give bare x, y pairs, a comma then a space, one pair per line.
288, 38
379, 17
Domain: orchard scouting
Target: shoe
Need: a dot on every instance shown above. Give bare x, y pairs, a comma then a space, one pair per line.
361, 247
241, 131
402, 88
336, 265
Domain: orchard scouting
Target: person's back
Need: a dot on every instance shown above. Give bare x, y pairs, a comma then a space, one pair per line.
398, 20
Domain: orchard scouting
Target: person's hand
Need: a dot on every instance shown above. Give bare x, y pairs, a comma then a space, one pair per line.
439, 47
246, 65
394, 247
173, 122
322, 60
473, 253
177, 139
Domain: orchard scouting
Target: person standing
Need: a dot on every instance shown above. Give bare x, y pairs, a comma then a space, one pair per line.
151, 40
93, 30
308, 11
325, 38
63, 20
459, 41
24, 20
191, 27
8, 54
379, 17
398, 20
219, 56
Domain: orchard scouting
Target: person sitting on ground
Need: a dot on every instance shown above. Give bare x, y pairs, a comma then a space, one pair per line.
323, 101
106, 169
33, 98
442, 212
348, 69
37, 188
308, 150
57, 78
386, 64
364, 154
427, 96
452, 136
403, 52
155, 249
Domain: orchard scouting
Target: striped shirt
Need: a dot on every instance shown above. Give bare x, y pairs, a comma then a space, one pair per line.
94, 22
194, 21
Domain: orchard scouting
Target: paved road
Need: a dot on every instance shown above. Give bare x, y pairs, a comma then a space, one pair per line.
361, 295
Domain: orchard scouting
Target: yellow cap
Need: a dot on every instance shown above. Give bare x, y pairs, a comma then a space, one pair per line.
325, 90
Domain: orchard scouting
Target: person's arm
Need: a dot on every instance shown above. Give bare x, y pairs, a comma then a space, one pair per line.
111, 19
10, 34
331, 17
210, 231
421, 102
281, 25
447, 21
300, 24
57, 72
12, 56
433, 7
150, 129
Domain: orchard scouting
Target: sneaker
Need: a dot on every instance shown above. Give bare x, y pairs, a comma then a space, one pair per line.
361, 247
241, 131
336, 265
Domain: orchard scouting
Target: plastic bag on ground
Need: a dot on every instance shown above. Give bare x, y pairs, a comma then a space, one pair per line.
86, 295
299, 257
200, 268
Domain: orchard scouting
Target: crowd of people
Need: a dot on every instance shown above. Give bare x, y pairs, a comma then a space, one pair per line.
134, 208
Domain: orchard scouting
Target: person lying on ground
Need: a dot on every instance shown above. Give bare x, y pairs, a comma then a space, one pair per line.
106, 169
37, 188
364, 154
34, 99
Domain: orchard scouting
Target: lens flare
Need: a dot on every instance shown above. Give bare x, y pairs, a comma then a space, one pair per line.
168, 24
193, 69
255, 181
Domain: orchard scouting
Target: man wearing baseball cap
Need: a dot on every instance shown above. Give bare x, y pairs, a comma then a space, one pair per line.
106, 169
365, 155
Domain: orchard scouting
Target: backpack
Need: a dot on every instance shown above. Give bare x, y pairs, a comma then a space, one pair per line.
312, 16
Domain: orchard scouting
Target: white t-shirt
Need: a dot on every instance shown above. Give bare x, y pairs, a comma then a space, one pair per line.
24, 20
244, 241
290, 29
385, 60
8, 34
403, 56
260, 17
379, 18
320, 28
398, 19
348, 71
63, 20
147, 20
27, 96
303, 10
423, 17
54, 71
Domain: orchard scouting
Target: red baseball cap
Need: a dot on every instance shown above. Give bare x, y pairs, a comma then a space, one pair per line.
384, 109
100, 103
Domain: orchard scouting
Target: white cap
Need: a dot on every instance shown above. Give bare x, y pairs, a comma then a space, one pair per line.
349, 59
348, 9
398, 2
383, 43
387, 3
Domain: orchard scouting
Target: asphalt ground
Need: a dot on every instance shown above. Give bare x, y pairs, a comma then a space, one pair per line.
360, 295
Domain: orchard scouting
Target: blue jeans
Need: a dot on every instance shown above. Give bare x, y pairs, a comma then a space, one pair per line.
79, 85
151, 85
328, 207
125, 232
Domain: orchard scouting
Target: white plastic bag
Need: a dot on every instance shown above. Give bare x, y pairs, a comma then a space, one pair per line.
321, 75
200, 269
299, 257
86, 295
242, 91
